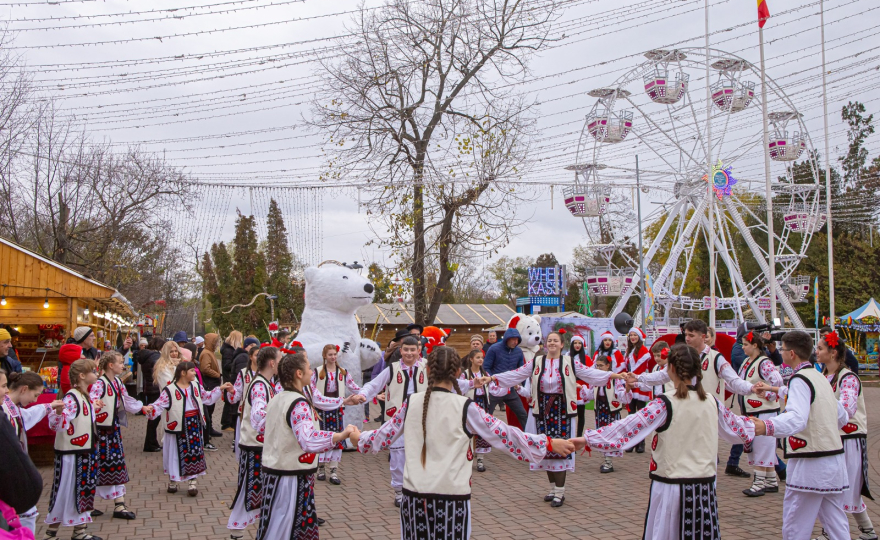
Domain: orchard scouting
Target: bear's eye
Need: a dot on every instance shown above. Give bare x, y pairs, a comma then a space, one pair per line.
344, 277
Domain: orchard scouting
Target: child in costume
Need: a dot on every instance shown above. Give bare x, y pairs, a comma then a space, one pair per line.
293, 441
688, 422
472, 366
76, 462
609, 401
437, 426
326, 381
183, 455
249, 493
18, 390
553, 382
112, 470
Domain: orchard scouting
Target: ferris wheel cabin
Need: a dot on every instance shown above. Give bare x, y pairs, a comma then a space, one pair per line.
664, 91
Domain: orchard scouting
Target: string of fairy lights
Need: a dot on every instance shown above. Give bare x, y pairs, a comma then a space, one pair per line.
245, 169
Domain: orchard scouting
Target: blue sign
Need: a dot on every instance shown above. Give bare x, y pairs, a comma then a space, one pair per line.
538, 301
548, 281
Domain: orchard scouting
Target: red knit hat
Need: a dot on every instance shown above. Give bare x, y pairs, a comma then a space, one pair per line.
69, 353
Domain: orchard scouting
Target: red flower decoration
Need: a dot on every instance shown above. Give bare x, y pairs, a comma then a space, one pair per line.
561, 331
664, 354
750, 337
832, 339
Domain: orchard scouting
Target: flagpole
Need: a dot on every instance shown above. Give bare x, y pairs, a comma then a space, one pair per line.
827, 170
768, 192
710, 183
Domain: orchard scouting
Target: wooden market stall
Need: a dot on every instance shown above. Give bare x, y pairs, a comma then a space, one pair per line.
382, 321
45, 301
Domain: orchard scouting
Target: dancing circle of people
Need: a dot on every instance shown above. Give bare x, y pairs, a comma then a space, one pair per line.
438, 420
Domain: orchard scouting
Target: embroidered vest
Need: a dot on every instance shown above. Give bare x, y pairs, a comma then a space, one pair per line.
614, 403
569, 384
857, 427
282, 453
661, 389
247, 376
712, 381
684, 449
177, 410
106, 417
396, 391
248, 437
79, 436
14, 417
821, 436
753, 404
448, 446
339, 376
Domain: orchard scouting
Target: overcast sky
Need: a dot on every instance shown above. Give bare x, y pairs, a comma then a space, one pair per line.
237, 117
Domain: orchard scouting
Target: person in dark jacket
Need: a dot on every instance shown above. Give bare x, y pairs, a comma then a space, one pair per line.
147, 358
227, 354
506, 356
20, 481
7, 362
491, 339
85, 338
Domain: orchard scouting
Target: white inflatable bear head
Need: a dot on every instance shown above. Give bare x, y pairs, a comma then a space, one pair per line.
529, 328
337, 288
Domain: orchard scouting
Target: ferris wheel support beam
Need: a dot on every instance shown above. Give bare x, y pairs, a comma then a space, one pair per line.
655, 245
735, 277
661, 130
759, 257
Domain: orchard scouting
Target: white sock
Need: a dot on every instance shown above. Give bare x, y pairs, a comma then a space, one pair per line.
770, 478
560, 492
863, 520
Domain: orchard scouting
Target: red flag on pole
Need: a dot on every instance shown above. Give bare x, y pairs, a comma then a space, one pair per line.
763, 13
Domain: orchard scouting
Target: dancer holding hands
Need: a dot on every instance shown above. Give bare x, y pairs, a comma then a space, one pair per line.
437, 426
687, 422
328, 381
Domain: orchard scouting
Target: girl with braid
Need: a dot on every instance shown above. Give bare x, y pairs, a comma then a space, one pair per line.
293, 440
437, 426
687, 422
473, 369
331, 380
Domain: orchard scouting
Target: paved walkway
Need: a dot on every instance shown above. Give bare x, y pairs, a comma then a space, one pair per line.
507, 501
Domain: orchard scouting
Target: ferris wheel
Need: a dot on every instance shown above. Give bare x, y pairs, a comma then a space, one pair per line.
658, 111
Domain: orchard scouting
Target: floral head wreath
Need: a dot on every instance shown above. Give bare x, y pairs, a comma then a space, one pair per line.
832, 339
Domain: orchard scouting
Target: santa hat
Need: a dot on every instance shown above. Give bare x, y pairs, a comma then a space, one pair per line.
638, 331
577, 338
606, 335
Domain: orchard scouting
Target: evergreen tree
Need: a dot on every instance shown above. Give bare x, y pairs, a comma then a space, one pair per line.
249, 278
382, 285
279, 268
222, 295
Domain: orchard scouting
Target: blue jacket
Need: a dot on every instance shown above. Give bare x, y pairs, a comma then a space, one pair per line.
501, 358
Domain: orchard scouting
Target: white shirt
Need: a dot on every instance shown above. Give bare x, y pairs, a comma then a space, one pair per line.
825, 474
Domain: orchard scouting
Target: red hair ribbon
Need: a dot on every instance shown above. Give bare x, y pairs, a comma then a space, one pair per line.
750, 337
664, 354
832, 339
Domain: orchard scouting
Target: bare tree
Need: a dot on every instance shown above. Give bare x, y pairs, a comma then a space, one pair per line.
421, 109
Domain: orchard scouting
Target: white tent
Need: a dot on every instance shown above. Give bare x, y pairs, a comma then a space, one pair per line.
871, 309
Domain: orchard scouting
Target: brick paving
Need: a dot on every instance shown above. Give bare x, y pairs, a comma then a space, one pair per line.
506, 503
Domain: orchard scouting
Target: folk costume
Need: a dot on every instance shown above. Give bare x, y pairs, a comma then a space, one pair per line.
112, 471
249, 491
761, 451
398, 381
183, 452
326, 383
817, 473
480, 396
553, 383
23, 420
242, 382
684, 459
609, 401
293, 440
75, 477
436, 505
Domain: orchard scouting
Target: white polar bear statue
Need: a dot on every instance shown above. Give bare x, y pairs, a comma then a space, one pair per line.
333, 295
529, 328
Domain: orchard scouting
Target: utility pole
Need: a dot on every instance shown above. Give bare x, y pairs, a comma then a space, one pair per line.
641, 254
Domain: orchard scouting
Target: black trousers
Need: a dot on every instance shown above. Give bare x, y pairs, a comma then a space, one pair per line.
582, 413
229, 416
151, 441
209, 422
511, 400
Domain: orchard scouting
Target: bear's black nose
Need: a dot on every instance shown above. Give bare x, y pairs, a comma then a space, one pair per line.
368, 288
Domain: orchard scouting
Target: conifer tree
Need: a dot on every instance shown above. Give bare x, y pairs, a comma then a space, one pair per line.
279, 268
249, 279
